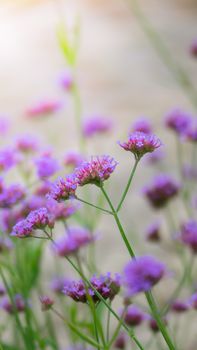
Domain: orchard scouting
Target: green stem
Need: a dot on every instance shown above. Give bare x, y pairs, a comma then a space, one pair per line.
108, 323
148, 295
94, 206
128, 185
130, 250
164, 53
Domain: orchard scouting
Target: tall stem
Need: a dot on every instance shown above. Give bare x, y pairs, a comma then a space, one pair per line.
148, 295
128, 185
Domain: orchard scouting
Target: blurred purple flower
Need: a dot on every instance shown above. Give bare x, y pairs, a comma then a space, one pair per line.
9, 157
163, 189
61, 211
26, 143
121, 341
73, 159
188, 234
66, 81
46, 165
142, 273
193, 48
140, 143
96, 125
63, 188
96, 171
19, 304
43, 108
11, 195
134, 316
179, 306
193, 301
178, 121
153, 232
142, 125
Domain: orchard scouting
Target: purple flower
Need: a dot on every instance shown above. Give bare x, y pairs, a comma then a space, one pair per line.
141, 274
4, 125
156, 156
161, 191
8, 158
178, 121
153, 324
96, 171
2, 290
61, 211
11, 195
73, 159
19, 304
26, 143
107, 286
193, 301
140, 143
57, 284
121, 341
193, 48
190, 172
142, 125
191, 133
46, 302
63, 189
43, 108
78, 237
134, 316
153, 232
46, 165
179, 306
96, 125
39, 218
23, 228
66, 81
188, 234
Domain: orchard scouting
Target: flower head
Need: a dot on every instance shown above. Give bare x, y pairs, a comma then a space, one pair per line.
46, 302
8, 158
179, 306
43, 108
188, 234
46, 165
69, 244
161, 191
73, 159
107, 286
96, 171
153, 232
62, 210
193, 48
23, 228
11, 195
178, 121
142, 273
39, 218
26, 143
193, 301
66, 81
134, 316
96, 125
19, 304
140, 143
63, 188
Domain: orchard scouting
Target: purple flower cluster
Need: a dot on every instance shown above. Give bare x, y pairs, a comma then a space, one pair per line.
46, 302
141, 274
178, 121
37, 219
153, 232
63, 188
96, 125
46, 165
8, 158
19, 304
140, 143
69, 244
95, 171
134, 316
26, 143
188, 234
11, 195
163, 189
105, 285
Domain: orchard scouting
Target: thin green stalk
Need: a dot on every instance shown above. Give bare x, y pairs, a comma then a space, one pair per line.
148, 295
94, 206
116, 332
164, 53
128, 185
130, 250
108, 323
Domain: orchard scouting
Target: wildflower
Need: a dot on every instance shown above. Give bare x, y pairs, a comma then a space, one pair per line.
121, 341
178, 121
57, 284
96, 125
161, 191
39, 218
46, 165
46, 302
193, 301
153, 324
18, 305
11, 195
107, 286
191, 133
96, 171
66, 81
140, 143
8, 158
134, 316
23, 228
142, 273
26, 143
179, 306
44, 188
73, 159
78, 237
5, 244
193, 48
43, 108
63, 188
188, 234
142, 125
153, 232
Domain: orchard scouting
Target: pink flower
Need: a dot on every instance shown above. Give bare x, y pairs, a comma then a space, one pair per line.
63, 188
43, 108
